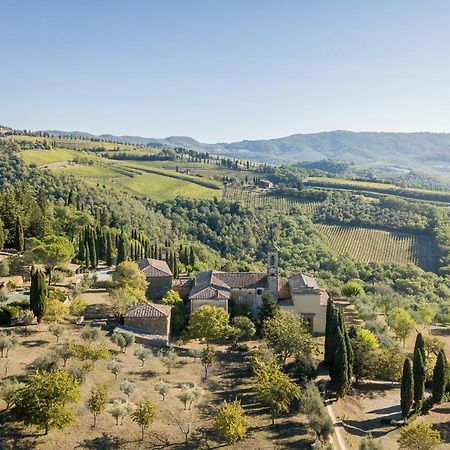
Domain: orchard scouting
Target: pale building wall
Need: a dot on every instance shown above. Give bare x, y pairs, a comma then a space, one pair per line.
308, 304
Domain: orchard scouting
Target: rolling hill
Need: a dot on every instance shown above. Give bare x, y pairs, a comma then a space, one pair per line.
429, 152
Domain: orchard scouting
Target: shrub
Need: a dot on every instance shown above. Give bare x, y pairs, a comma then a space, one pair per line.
7, 314
88, 352
162, 388
90, 333
127, 387
122, 340
231, 422
115, 367
77, 306
48, 362
419, 437
7, 342
79, 371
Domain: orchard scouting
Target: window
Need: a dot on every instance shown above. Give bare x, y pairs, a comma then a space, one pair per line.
259, 291
272, 260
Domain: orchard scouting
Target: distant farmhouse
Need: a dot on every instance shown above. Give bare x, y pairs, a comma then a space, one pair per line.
265, 184
242, 291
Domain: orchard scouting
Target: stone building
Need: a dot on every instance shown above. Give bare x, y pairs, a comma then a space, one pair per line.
149, 318
230, 290
158, 275
308, 300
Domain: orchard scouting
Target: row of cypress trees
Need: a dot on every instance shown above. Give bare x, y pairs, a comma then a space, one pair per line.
338, 351
102, 243
414, 377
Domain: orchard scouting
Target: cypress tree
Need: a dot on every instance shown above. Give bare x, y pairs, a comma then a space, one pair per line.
439, 378
92, 250
332, 343
71, 198
19, 242
87, 256
2, 235
81, 246
192, 257
121, 250
348, 346
407, 389
340, 371
38, 295
109, 250
419, 378
328, 327
420, 344
350, 356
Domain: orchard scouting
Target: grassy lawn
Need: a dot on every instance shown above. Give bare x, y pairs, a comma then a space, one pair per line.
160, 187
94, 171
43, 157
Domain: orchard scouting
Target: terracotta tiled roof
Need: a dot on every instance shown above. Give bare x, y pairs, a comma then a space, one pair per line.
149, 310
218, 285
210, 292
154, 268
249, 280
301, 281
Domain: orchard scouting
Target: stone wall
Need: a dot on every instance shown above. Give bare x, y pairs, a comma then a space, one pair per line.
155, 325
248, 298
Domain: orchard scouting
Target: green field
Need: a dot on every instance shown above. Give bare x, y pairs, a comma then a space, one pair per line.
366, 245
43, 157
160, 187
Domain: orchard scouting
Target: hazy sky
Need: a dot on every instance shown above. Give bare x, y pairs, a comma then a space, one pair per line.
225, 70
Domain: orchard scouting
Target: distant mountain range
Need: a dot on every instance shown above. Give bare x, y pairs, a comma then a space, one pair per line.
425, 151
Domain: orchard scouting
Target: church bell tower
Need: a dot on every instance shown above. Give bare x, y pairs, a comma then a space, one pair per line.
272, 271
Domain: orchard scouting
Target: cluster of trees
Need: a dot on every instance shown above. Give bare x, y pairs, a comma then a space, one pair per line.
392, 214
414, 377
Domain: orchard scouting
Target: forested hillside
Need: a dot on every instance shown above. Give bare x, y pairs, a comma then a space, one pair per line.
39, 199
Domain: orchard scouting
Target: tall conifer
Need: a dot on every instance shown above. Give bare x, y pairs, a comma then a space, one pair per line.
419, 378
19, 241
407, 389
340, 372
109, 250
38, 295
439, 378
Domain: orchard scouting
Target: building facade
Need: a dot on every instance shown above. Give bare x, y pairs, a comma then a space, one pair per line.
158, 275
243, 291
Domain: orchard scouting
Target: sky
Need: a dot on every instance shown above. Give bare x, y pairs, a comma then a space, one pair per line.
225, 70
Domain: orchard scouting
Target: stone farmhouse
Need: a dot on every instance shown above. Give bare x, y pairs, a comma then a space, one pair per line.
242, 291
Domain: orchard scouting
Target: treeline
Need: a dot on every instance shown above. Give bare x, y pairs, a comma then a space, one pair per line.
438, 196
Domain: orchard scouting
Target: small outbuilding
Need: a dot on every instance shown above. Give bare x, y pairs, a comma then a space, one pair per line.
149, 319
